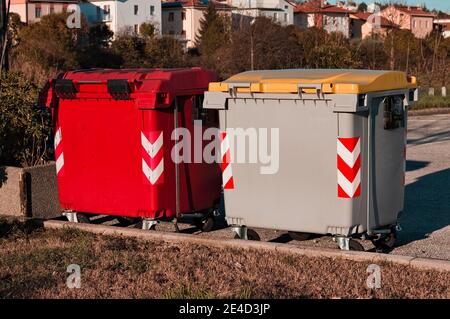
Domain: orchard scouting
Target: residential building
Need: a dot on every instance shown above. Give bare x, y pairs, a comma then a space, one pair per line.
280, 11
319, 14
365, 24
123, 15
349, 5
442, 24
415, 19
34, 10
181, 19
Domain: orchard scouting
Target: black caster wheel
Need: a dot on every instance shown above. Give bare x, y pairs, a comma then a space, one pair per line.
385, 243
205, 225
127, 221
83, 218
299, 236
355, 245
251, 235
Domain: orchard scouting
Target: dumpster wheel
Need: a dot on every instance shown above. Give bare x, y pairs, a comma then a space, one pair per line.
355, 245
385, 243
251, 235
299, 236
83, 218
205, 225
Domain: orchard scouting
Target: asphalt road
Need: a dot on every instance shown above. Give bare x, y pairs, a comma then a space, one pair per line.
426, 220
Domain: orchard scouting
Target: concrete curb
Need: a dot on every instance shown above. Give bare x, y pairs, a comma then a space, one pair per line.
418, 263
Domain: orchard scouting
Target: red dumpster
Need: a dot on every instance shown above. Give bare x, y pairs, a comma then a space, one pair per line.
113, 141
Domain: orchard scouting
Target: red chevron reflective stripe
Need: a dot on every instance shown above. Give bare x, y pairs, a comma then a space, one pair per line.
227, 174
349, 172
348, 167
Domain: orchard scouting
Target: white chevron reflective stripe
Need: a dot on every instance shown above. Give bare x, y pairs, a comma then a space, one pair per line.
58, 137
59, 163
152, 149
227, 174
348, 157
225, 144
153, 175
349, 187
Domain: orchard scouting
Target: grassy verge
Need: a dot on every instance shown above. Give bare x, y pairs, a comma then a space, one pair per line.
34, 265
428, 102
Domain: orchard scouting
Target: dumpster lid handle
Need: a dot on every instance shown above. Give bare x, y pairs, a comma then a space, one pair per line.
315, 86
232, 87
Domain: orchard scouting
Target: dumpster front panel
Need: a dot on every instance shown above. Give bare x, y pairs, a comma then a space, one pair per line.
303, 195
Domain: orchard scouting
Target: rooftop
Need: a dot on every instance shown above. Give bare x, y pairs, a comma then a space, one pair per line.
195, 3
415, 11
315, 6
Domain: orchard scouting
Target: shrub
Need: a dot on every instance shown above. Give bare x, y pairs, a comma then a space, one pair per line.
24, 130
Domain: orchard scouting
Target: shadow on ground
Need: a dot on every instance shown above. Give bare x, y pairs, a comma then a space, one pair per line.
430, 138
415, 165
427, 206
3, 175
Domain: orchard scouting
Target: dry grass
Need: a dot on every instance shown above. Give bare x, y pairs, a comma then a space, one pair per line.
33, 265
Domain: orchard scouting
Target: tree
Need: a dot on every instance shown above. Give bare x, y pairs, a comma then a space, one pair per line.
130, 48
213, 32
147, 30
47, 48
164, 52
362, 7
94, 51
274, 47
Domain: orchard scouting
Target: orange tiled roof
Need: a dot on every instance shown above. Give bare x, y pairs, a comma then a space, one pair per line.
315, 7
415, 11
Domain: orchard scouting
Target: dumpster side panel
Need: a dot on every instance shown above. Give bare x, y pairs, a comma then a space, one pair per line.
302, 195
387, 168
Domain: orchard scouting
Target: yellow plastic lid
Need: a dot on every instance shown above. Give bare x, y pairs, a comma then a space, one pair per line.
309, 80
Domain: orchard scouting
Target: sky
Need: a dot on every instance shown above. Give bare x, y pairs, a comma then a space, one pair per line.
443, 5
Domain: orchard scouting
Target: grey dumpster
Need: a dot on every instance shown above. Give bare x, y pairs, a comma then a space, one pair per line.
334, 144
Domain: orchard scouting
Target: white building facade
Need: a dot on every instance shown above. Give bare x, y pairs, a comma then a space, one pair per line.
280, 11
122, 15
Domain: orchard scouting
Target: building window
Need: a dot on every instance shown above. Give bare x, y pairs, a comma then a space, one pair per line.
171, 16
152, 10
106, 13
37, 12
136, 28
136, 10
285, 17
171, 32
183, 15
52, 9
275, 16
183, 33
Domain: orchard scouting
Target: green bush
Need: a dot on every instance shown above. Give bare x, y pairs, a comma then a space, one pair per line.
428, 101
24, 130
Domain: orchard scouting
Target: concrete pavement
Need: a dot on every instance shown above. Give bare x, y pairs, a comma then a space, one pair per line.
426, 222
